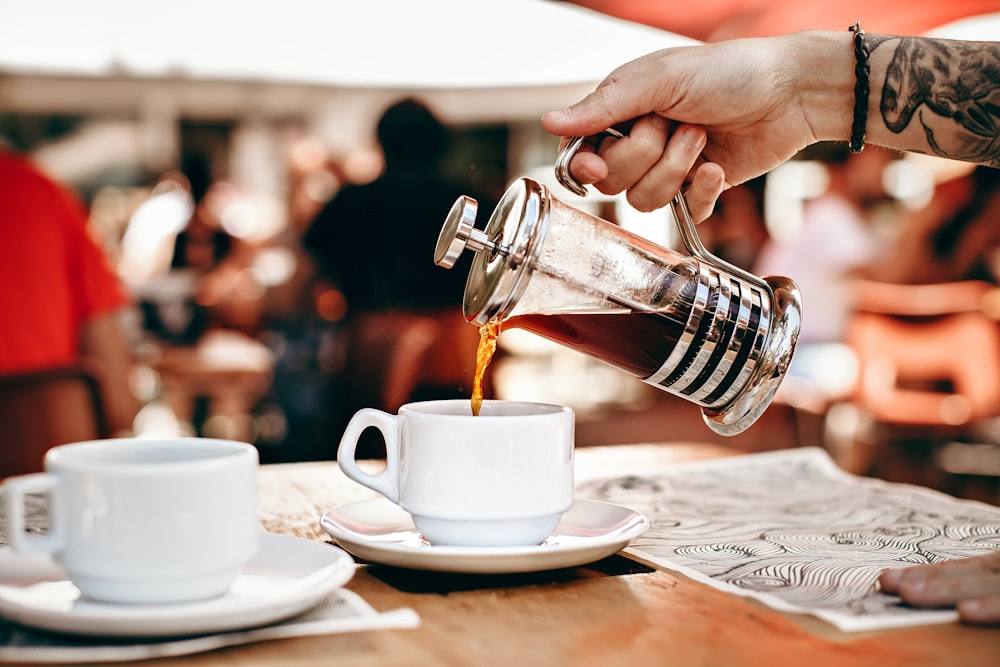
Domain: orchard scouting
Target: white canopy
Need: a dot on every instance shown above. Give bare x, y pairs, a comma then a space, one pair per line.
535, 47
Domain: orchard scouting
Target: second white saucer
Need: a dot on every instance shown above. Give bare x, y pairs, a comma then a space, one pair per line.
380, 531
287, 576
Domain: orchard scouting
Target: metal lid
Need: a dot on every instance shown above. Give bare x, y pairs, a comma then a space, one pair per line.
499, 277
504, 250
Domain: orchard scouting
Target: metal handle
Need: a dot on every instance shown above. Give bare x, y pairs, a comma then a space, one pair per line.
678, 206
562, 167
689, 236
566, 156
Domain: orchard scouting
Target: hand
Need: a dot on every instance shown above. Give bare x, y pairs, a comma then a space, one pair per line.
972, 585
651, 154
741, 104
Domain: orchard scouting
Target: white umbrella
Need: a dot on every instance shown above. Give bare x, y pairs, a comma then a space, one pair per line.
547, 50
984, 28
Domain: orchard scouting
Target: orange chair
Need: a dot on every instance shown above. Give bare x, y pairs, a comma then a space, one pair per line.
929, 367
43, 409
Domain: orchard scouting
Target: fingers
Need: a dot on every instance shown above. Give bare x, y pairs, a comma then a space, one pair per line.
660, 180
633, 90
980, 610
963, 576
651, 164
892, 579
630, 158
973, 584
707, 185
577, 121
601, 109
587, 167
944, 591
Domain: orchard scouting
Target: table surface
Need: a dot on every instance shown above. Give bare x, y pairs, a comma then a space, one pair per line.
615, 612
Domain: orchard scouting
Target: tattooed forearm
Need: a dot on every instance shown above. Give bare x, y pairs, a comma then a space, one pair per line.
951, 89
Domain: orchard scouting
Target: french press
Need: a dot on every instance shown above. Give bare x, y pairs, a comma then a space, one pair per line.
692, 325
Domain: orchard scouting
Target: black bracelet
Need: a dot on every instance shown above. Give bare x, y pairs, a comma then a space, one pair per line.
861, 90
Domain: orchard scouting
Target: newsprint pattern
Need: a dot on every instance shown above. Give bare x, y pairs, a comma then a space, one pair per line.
794, 531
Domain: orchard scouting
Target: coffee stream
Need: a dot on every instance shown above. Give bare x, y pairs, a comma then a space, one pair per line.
484, 353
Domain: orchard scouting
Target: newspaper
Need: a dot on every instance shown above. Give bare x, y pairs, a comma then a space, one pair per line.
792, 530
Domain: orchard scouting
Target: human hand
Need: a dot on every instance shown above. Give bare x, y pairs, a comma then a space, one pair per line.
971, 585
675, 154
740, 104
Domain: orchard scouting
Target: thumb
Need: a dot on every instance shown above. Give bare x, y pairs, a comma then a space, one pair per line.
623, 96
593, 114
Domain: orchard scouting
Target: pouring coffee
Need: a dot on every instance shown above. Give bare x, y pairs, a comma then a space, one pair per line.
692, 325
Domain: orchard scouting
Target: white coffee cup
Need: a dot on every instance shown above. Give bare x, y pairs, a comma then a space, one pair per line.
144, 521
501, 478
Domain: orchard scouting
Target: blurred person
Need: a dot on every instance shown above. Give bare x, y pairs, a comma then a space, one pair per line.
227, 291
202, 244
955, 237
150, 232
363, 238
719, 114
375, 241
302, 327
210, 301
61, 303
836, 241
147, 251
208, 280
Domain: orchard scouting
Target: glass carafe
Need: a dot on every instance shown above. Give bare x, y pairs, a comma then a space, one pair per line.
689, 324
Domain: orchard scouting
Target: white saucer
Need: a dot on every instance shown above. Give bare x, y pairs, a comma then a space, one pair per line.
287, 576
379, 531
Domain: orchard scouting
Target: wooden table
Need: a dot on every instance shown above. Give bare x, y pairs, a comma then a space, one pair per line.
616, 612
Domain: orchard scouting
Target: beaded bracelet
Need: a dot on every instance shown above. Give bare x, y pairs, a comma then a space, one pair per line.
861, 90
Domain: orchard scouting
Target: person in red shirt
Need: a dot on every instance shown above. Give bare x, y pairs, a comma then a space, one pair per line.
60, 302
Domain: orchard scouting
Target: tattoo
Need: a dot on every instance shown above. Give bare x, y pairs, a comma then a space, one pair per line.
952, 88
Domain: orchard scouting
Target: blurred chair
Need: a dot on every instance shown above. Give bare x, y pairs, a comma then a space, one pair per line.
971, 469
929, 369
47, 408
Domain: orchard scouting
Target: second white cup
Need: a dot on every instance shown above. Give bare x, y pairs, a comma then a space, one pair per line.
502, 478
144, 521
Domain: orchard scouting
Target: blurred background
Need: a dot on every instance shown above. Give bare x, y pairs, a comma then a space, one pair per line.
204, 138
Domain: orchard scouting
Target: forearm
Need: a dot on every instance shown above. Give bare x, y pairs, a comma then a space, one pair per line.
934, 96
104, 344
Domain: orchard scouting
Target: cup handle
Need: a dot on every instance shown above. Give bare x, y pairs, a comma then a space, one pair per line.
387, 481
14, 491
